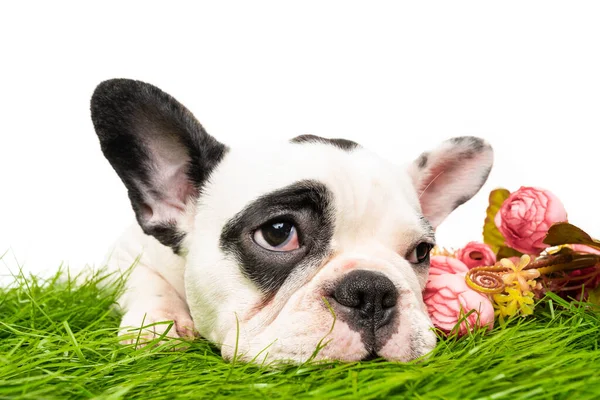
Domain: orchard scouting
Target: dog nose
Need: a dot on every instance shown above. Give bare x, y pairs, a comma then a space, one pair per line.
370, 294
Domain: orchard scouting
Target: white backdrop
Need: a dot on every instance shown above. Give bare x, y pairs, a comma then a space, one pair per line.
395, 78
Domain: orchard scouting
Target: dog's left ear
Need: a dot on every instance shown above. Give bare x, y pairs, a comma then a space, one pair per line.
159, 150
450, 175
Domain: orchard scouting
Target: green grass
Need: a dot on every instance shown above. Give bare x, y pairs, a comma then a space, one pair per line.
58, 340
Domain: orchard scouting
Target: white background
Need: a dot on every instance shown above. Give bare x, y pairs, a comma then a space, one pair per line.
395, 78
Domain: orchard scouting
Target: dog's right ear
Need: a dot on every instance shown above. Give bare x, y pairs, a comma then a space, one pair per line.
159, 150
450, 175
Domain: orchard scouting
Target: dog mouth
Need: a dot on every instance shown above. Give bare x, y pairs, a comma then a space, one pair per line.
372, 355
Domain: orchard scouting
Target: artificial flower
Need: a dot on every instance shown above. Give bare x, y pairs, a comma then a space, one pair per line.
513, 303
523, 278
476, 254
448, 299
580, 283
525, 217
439, 265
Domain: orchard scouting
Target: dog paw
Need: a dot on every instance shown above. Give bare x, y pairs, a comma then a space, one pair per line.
142, 328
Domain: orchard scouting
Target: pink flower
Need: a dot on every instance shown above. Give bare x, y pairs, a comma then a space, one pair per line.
476, 254
526, 216
448, 299
439, 265
582, 248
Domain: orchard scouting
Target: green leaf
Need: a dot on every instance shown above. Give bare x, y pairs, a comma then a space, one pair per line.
506, 252
594, 296
491, 235
565, 233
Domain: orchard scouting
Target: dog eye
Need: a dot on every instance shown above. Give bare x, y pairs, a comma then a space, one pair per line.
277, 236
420, 253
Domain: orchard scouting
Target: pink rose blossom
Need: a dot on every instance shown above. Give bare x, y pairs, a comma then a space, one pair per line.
448, 299
526, 216
476, 254
439, 265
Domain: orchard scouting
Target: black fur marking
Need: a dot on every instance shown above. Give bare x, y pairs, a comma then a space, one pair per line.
344, 144
473, 145
306, 204
422, 161
370, 357
429, 231
128, 115
168, 234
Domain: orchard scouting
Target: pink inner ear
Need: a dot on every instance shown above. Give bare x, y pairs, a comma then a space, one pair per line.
180, 189
174, 192
429, 181
431, 189
170, 165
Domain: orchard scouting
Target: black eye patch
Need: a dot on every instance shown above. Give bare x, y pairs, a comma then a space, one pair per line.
306, 204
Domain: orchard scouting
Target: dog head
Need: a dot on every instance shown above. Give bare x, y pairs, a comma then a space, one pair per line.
308, 243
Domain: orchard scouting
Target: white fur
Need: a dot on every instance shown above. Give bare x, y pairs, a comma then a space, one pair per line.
377, 219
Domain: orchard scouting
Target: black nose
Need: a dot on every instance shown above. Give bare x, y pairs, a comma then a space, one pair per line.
371, 295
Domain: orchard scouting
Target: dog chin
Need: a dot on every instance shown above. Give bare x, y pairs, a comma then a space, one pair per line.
295, 350
306, 330
342, 344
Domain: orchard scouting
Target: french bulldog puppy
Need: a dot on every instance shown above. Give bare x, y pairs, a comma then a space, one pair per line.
272, 250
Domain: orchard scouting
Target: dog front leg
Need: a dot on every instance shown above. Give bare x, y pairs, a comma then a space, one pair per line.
149, 299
